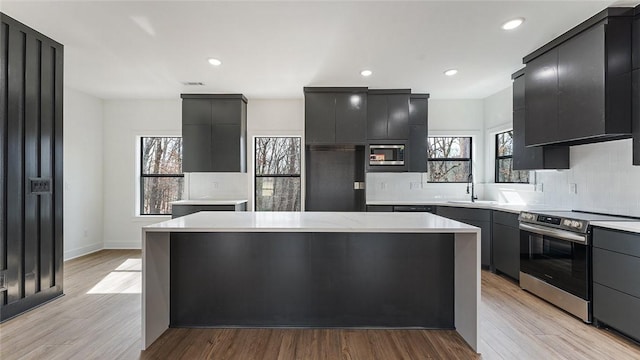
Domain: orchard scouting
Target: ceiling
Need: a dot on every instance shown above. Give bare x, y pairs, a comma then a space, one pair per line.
148, 49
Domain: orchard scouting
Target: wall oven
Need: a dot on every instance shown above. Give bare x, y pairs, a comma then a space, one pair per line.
556, 260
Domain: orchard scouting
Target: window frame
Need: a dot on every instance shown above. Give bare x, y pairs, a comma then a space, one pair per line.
256, 175
143, 176
496, 167
469, 159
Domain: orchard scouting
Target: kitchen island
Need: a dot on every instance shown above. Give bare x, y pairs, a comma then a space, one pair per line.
311, 269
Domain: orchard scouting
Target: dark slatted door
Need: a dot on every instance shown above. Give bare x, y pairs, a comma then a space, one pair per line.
31, 250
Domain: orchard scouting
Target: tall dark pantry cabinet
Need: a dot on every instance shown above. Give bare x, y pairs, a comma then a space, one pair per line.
31, 172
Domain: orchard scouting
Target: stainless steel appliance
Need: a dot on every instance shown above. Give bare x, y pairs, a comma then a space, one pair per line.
555, 258
386, 155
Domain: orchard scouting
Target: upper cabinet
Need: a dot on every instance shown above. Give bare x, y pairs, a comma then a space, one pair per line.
214, 133
635, 90
578, 87
388, 114
535, 157
335, 115
417, 144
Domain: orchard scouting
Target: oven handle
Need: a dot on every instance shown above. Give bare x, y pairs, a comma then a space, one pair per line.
557, 233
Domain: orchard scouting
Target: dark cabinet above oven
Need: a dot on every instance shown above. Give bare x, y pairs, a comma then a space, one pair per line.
578, 86
533, 157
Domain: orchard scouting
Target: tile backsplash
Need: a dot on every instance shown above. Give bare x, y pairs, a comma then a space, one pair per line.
414, 187
601, 179
215, 186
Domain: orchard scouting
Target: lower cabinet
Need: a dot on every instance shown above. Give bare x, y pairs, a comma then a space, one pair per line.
379, 208
476, 217
616, 285
182, 210
505, 244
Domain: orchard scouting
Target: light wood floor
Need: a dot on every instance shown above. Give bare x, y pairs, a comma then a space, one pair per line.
99, 318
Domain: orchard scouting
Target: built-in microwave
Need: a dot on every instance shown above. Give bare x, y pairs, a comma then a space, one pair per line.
386, 154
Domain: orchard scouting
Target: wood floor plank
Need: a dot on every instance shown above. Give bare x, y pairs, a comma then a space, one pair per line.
99, 318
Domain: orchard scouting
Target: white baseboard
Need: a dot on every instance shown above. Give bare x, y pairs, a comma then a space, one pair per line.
85, 250
122, 245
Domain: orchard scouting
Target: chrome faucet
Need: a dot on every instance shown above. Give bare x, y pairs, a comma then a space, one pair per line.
470, 181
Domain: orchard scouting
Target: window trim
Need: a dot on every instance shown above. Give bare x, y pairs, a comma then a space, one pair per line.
256, 175
469, 159
496, 167
142, 175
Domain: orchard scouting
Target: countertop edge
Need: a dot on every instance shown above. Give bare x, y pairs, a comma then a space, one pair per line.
628, 226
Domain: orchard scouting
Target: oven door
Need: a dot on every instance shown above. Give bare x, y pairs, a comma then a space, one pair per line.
557, 257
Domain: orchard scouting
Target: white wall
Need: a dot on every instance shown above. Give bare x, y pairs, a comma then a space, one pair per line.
83, 176
446, 118
124, 121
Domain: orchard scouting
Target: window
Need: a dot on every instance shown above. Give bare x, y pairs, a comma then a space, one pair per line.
504, 160
277, 174
161, 178
449, 159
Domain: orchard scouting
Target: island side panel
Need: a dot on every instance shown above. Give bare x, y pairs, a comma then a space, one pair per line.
155, 286
312, 280
467, 286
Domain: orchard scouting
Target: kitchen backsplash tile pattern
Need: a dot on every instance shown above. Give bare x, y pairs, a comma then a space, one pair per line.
601, 179
215, 186
413, 187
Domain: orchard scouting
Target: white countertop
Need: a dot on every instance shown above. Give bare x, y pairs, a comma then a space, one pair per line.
479, 204
631, 226
208, 202
226, 221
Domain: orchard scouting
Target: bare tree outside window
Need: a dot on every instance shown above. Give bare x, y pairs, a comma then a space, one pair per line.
504, 160
161, 178
449, 159
277, 174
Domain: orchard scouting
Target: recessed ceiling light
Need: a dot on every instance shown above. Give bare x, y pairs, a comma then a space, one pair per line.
215, 62
512, 24
366, 72
451, 72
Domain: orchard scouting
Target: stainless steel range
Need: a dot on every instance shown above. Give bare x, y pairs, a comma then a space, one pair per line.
555, 257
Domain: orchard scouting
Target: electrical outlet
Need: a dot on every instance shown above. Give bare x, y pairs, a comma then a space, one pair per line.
573, 188
415, 185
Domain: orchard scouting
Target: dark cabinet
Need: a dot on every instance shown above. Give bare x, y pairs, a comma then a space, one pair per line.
616, 286
635, 111
214, 132
578, 87
635, 40
541, 99
505, 244
532, 158
476, 217
379, 208
178, 210
335, 115
388, 114
417, 144
635, 88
